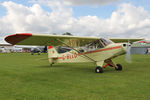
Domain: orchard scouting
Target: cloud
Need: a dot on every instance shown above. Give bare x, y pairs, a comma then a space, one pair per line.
127, 21
89, 2
35, 19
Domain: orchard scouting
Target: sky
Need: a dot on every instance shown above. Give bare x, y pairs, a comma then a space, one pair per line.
98, 18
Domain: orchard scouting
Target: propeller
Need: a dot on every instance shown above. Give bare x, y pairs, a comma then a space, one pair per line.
128, 53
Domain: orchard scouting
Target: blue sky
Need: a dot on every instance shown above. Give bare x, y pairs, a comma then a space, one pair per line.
101, 11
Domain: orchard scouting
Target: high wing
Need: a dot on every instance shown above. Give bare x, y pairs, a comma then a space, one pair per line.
119, 40
46, 40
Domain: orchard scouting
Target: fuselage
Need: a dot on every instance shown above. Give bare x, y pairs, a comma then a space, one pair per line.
102, 53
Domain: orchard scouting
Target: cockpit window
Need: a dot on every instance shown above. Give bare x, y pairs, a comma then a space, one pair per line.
89, 47
106, 41
93, 46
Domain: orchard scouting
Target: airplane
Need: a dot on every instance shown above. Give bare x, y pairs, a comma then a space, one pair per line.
76, 49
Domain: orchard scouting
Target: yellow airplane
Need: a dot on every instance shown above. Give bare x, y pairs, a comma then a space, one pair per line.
75, 49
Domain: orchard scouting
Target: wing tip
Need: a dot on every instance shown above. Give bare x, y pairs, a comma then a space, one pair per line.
15, 38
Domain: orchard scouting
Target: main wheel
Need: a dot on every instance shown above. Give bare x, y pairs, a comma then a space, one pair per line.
99, 69
119, 67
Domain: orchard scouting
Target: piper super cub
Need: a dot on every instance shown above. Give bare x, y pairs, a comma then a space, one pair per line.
75, 49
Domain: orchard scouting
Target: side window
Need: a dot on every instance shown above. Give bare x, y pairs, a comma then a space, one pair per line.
99, 44
62, 49
94, 45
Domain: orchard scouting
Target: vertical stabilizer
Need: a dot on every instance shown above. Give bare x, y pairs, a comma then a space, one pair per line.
52, 54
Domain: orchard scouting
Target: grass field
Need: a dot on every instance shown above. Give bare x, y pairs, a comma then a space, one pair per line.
28, 77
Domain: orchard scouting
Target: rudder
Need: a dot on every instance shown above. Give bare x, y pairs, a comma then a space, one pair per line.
52, 54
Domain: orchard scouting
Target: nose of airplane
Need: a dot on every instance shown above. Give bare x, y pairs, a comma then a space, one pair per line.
125, 46
125, 49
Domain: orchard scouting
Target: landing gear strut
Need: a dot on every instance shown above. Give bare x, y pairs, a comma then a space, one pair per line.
110, 63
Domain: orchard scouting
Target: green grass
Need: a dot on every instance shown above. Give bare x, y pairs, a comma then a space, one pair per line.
28, 77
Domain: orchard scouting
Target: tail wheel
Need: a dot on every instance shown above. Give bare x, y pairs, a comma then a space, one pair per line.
119, 67
51, 65
99, 69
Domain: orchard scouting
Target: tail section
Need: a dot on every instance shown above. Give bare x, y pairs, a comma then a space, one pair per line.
52, 54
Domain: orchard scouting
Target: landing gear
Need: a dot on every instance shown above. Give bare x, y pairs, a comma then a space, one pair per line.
51, 65
108, 62
99, 69
119, 67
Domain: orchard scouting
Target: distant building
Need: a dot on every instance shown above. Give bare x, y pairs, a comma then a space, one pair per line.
140, 48
6, 48
26, 48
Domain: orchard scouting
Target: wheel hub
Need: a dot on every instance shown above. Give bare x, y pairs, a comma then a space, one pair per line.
97, 70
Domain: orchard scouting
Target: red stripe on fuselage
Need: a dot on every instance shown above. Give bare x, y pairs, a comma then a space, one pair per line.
100, 50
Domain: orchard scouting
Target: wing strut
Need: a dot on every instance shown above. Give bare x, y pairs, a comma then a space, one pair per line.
76, 50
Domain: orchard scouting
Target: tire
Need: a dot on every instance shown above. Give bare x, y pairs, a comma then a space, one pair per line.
119, 67
51, 65
99, 69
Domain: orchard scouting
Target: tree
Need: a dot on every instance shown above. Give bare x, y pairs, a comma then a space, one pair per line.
67, 33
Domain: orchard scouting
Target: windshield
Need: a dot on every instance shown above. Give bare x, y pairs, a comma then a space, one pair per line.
106, 41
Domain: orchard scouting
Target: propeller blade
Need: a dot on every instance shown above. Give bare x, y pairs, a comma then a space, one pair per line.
128, 53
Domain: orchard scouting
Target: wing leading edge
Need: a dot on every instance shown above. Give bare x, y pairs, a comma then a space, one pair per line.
42, 40
55, 40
